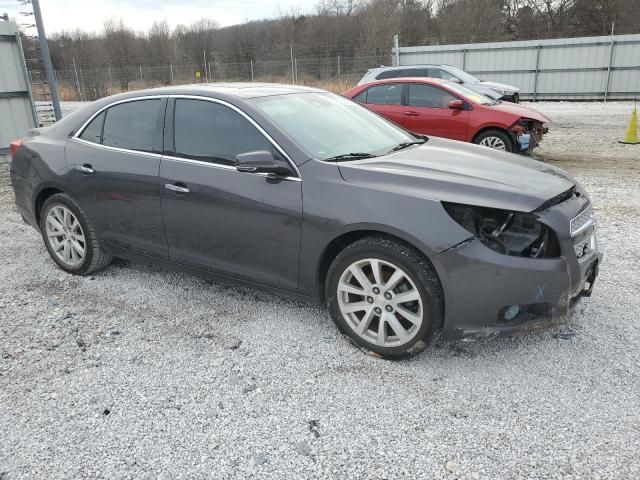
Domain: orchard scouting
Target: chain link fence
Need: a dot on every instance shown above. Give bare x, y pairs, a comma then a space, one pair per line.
332, 73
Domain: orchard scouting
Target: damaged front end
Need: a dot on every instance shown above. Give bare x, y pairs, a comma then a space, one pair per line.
528, 133
526, 270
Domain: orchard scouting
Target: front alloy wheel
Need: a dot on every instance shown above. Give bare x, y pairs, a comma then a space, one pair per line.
385, 296
496, 139
380, 302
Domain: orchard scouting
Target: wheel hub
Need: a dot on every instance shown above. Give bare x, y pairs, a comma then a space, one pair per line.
65, 236
380, 302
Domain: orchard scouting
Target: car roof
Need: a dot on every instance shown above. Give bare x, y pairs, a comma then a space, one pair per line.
241, 90
428, 80
409, 67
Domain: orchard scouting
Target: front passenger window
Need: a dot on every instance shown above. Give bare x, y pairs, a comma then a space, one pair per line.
212, 132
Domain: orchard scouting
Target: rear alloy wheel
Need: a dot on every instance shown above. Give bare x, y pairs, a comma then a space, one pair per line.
66, 236
495, 139
69, 236
384, 296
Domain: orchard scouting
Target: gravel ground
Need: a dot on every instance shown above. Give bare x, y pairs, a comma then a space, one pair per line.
138, 372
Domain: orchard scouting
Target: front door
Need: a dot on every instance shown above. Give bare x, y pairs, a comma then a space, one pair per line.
240, 224
114, 165
427, 112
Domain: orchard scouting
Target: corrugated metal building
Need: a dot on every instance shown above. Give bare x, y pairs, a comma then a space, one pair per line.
586, 68
17, 113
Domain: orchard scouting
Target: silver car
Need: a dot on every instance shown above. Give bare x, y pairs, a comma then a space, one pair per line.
493, 90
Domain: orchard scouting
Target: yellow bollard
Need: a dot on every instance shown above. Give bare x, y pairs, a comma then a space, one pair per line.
631, 137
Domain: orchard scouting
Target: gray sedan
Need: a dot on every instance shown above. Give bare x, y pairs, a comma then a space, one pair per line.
306, 193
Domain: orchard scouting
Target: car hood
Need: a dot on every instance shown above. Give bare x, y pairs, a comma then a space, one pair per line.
519, 110
501, 86
447, 170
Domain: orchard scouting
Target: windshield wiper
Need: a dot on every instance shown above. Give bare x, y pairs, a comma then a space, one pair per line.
404, 145
350, 156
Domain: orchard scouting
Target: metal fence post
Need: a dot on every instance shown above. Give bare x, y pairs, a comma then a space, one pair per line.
338, 67
535, 80
77, 79
141, 77
171, 71
110, 80
464, 59
293, 75
251, 65
396, 49
613, 43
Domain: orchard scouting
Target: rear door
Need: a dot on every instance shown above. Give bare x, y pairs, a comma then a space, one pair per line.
385, 99
427, 112
114, 165
245, 225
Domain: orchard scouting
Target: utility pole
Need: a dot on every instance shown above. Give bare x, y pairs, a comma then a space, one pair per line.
46, 60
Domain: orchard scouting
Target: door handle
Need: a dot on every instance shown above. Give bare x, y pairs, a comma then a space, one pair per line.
86, 169
176, 188
412, 114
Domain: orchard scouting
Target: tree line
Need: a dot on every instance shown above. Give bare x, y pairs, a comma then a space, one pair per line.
348, 29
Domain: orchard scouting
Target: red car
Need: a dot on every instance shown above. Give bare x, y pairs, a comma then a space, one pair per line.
440, 108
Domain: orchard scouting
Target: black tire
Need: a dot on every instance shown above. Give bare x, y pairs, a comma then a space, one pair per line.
515, 98
421, 273
506, 139
96, 257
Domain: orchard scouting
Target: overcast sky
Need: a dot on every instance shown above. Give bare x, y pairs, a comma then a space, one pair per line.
139, 14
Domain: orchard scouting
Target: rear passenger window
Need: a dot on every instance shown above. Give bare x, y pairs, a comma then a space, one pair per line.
93, 131
211, 132
132, 125
390, 94
421, 95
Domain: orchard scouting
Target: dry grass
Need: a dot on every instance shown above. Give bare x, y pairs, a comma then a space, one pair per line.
68, 92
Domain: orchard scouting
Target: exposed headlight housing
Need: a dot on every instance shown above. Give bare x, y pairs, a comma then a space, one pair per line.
509, 233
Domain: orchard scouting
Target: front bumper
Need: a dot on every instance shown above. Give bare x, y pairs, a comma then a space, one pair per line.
489, 294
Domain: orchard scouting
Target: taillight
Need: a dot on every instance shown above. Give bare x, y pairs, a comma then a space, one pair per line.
14, 147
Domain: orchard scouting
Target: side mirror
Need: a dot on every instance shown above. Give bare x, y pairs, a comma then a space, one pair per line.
455, 80
259, 161
456, 105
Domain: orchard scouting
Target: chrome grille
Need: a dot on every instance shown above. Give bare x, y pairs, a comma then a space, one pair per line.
582, 221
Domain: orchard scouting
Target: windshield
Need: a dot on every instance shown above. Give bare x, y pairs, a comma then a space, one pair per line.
469, 94
462, 75
329, 126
